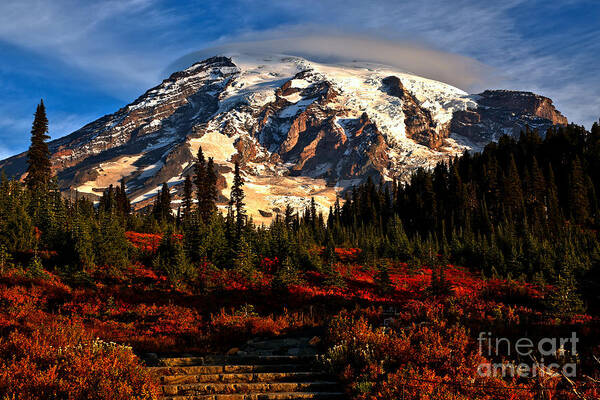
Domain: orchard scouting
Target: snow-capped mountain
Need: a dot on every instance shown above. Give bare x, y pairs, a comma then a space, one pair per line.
300, 129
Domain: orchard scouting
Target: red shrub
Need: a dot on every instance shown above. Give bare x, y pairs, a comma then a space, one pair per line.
61, 360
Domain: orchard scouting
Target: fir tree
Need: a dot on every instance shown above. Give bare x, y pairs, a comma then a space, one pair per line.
564, 301
171, 259
207, 194
201, 181
383, 280
513, 192
187, 198
123, 203
236, 202
288, 216
39, 170
579, 205
245, 259
162, 205
285, 276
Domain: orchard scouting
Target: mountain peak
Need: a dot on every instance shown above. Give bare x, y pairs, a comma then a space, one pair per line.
300, 129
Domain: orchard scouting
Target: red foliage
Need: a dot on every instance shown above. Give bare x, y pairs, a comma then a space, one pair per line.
147, 242
426, 351
61, 360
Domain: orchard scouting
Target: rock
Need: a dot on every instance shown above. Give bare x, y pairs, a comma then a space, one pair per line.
308, 351
505, 112
294, 351
419, 124
265, 213
291, 342
233, 351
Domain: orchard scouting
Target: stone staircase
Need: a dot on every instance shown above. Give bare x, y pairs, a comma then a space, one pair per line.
247, 375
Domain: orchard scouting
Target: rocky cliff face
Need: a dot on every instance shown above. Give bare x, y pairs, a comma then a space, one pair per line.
299, 130
504, 112
420, 126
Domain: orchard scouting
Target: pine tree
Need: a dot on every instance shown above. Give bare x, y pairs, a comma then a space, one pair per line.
245, 259
564, 301
313, 212
439, 284
107, 202
208, 197
200, 178
236, 202
171, 258
110, 244
39, 170
206, 186
288, 216
123, 203
285, 276
187, 198
579, 205
536, 190
329, 251
554, 213
383, 281
162, 205
81, 240
513, 191
400, 245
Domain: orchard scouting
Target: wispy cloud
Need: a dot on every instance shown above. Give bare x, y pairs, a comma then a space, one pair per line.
318, 45
94, 37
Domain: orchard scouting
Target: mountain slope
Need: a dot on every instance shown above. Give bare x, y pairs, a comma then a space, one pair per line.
299, 129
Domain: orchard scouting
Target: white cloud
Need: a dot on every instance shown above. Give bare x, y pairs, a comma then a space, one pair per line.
89, 36
454, 69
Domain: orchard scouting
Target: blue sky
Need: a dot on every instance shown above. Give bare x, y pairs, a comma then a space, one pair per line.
88, 58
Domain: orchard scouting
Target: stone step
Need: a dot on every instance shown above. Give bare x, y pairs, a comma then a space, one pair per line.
264, 396
250, 387
220, 369
243, 377
234, 360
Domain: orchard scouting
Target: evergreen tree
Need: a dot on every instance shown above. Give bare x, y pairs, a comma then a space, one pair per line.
81, 239
200, 181
579, 205
554, 213
162, 205
439, 284
123, 203
110, 244
513, 192
187, 198
39, 169
236, 202
207, 193
564, 301
288, 216
383, 280
401, 248
171, 259
329, 251
245, 259
285, 276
